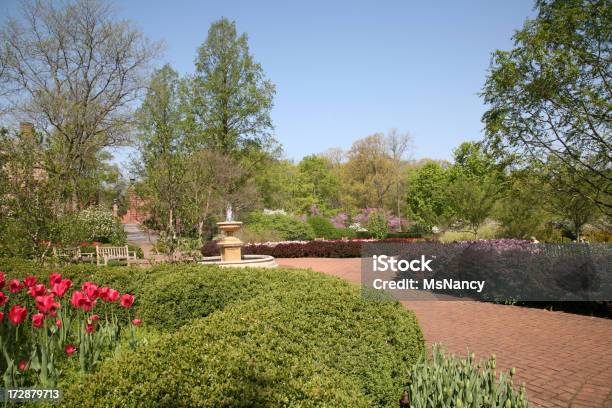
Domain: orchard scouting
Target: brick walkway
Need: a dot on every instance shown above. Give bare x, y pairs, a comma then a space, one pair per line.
564, 359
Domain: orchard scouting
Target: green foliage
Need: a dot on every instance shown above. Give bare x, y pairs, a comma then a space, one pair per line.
377, 224
475, 184
91, 224
286, 226
445, 381
26, 197
248, 235
279, 337
315, 185
138, 250
521, 210
549, 96
427, 197
232, 98
323, 228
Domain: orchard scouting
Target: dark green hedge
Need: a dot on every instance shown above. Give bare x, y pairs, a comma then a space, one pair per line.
278, 338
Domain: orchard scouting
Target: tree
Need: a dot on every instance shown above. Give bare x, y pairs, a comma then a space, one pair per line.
369, 171
315, 185
476, 181
161, 145
27, 195
550, 96
212, 184
521, 210
427, 195
231, 98
74, 71
569, 205
398, 145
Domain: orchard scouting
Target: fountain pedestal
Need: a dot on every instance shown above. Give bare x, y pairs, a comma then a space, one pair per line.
230, 245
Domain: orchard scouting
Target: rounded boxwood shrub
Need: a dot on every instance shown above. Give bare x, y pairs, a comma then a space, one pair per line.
303, 339
174, 296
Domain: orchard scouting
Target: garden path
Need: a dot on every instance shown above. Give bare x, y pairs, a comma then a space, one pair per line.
137, 236
564, 359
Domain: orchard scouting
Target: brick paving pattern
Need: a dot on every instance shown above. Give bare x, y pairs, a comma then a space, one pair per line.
564, 359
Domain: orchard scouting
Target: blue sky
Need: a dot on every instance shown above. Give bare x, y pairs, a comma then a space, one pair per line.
346, 69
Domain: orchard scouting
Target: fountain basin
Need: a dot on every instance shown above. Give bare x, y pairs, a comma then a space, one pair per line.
246, 261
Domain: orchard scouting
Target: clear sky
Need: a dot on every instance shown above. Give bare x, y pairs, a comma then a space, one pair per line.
346, 69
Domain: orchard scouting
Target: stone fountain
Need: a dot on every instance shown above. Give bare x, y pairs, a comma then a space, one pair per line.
231, 248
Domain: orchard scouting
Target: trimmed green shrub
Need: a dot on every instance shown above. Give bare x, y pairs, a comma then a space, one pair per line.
286, 226
446, 381
201, 290
301, 339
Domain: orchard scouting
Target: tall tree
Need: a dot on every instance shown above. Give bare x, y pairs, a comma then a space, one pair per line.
231, 97
161, 146
398, 145
74, 70
550, 96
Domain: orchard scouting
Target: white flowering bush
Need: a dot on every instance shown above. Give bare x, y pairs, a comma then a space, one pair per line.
92, 224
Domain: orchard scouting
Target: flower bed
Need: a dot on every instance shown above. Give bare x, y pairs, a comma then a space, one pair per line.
305, 249
82, 324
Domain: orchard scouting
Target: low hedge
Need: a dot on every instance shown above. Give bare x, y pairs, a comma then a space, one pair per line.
284, 338
310, 249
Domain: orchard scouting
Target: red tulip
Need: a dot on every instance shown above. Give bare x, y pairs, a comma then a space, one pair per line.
17, 314
58, 323
103, 293
54, 278
91, 289
38, 320
37, 290
94, 318
46, 303
60, 288
89, 328
136, 322
22, 365
80, 300
1, 316
15, 285
3, 298
30, 281
2, 278
113, 295
70, 349
127, 300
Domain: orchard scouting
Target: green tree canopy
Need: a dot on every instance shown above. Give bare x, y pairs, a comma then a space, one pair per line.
231, 97
550, 95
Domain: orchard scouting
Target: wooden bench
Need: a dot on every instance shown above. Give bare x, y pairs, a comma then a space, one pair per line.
70, 254
104, 254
